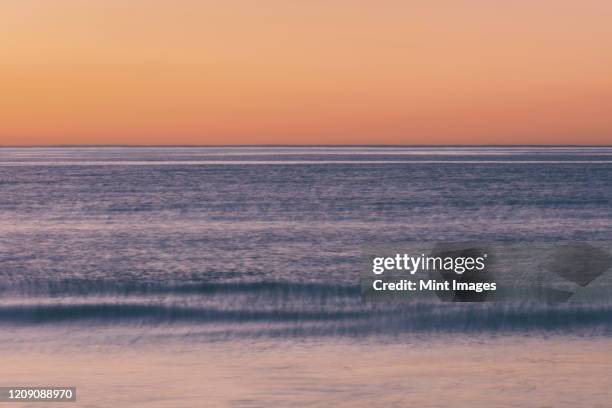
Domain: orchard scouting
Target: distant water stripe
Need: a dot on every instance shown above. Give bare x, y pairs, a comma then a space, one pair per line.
282, 162
94, 288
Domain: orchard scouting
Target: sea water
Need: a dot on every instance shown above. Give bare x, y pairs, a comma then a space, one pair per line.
229, 276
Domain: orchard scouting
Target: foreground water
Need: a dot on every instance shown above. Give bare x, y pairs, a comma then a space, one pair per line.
480, 371
180, 265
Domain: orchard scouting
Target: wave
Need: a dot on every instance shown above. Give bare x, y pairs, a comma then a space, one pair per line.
79, 287
266, 308
417, 317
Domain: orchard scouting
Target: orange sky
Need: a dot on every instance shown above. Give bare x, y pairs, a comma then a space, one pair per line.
305, 72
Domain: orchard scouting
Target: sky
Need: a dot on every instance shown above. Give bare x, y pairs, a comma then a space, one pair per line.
305, 72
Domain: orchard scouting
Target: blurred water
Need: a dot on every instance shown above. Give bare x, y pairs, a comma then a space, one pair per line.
429, 372
171, 277
256, 241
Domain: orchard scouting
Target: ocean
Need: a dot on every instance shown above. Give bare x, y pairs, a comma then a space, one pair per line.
230, 276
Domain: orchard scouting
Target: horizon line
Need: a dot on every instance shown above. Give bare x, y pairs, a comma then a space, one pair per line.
299, 145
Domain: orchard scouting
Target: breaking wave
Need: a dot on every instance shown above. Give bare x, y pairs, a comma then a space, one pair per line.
282, 309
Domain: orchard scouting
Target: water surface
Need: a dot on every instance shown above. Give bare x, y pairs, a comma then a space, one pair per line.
195, 259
